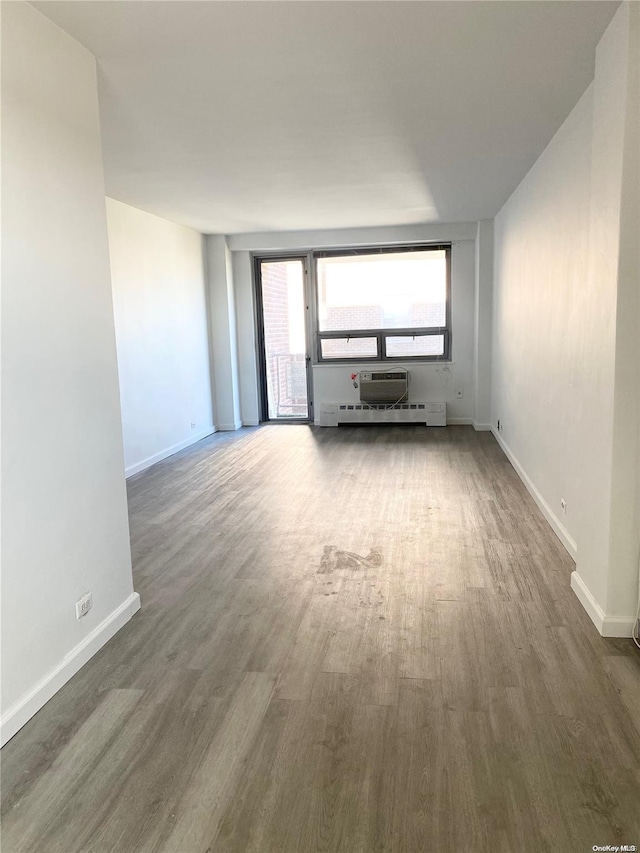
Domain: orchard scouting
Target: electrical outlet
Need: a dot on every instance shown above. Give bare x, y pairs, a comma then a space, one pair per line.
459, 393
193, 426
83, 605
563, 505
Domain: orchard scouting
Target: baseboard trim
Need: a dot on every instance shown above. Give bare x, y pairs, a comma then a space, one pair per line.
482, 427
251, 422
459, 421
617, 626
560, 531
169, 451
608, 626
230, 427
594, 611
20, 713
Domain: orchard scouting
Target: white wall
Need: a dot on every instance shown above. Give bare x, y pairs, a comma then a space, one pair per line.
566, 349
617, 186
482, 326
224, 338
161, 318
247, 353
598, 310
540, 259
64, 509
293, 241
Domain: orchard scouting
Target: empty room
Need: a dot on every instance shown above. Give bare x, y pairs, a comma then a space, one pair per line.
320, 426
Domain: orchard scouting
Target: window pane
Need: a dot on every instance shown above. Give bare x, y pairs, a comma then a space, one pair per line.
399, 290
349, 347
401, 347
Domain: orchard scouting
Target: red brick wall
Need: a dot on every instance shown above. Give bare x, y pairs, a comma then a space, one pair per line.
353, 317
427, 314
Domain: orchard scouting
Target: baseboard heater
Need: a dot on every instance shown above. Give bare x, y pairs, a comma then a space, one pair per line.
431, 414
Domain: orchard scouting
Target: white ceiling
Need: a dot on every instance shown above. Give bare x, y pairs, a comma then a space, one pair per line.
246, 116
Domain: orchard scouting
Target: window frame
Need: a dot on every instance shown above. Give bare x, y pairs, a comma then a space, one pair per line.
382, 334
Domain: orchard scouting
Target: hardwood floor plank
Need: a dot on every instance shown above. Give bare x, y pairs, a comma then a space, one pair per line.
29, 819
203, 802
356, 640
624, 672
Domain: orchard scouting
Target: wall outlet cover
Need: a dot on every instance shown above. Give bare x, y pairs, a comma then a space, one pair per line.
83, 605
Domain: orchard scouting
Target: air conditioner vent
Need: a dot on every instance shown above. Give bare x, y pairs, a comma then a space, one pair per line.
388, 386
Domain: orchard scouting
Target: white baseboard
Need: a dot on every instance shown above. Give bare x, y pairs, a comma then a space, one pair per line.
251, 422
169, 451
482, 427
20, 713
558, 528
230, 427
617, 626
608, 626
595, 612
450, 422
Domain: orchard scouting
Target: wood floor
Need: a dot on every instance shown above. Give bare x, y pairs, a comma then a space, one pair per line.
357, 639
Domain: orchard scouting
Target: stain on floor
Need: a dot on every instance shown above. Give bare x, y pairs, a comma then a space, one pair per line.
333, 558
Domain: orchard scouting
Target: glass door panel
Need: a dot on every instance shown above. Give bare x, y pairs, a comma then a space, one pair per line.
282, 286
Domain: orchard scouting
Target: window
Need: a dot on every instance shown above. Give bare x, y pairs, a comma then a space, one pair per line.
384, 304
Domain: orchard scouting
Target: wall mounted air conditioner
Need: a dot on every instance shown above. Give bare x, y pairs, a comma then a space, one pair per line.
388, 386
